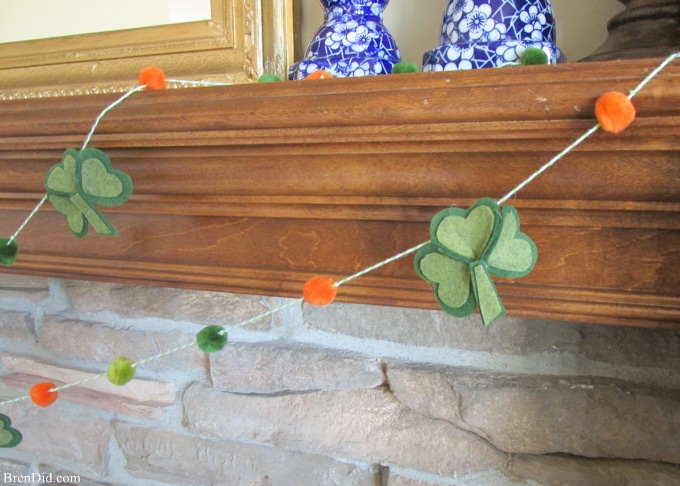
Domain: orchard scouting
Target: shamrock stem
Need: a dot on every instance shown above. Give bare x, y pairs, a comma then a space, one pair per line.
490, 304
100, 224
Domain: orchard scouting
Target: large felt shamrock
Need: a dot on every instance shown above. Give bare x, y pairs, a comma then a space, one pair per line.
82, 181
9, 437
466, 248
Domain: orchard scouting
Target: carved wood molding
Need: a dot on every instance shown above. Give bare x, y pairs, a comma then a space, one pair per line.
255, 188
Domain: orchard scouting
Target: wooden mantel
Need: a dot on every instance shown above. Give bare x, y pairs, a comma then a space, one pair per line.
256, 188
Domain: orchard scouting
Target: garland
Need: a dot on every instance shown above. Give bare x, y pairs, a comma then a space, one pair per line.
465, 246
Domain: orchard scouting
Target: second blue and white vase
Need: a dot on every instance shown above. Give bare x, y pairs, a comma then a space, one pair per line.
491, 33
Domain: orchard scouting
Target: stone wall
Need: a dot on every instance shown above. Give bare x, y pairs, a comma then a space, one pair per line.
343, 395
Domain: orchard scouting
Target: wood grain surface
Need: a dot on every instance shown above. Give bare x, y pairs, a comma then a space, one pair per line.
256, 188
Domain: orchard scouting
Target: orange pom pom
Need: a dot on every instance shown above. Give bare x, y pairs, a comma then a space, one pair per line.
614, 111
320, 291
152, 77
42, 396
320, 74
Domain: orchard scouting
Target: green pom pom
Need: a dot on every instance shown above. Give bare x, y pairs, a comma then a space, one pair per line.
211, 339
532, 56
268, 78
405, 67
8, 251
120, 371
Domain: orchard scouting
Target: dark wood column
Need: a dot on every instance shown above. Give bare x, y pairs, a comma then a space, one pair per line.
646, 28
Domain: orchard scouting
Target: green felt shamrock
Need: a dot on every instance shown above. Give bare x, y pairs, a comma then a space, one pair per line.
466, 248
80, 182
9, 437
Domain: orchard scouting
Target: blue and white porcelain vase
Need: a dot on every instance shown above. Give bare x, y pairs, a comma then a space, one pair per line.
352, 41
490, 33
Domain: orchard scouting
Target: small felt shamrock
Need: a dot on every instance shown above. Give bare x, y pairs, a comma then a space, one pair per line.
466, 248
9, 437
80, 182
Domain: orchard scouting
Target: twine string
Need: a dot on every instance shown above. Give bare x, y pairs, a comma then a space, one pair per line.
653, 74
548, 164
15, 400
198, 83
264, 314
26, 221
164, 354
107, 109
76, 383
382, 264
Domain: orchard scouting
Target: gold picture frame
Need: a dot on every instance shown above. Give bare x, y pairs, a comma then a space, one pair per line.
243, 39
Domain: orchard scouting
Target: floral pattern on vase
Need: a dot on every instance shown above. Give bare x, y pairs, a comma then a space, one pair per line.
352, 41
490, 33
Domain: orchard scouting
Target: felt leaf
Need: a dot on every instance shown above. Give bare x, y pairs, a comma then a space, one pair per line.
8, 251
61, 178
100, 224
451, 280
465, 235
74, 217
9, 437
101, 184
490, 305
514, 254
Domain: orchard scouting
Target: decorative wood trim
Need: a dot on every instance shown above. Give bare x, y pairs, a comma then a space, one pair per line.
255, 188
